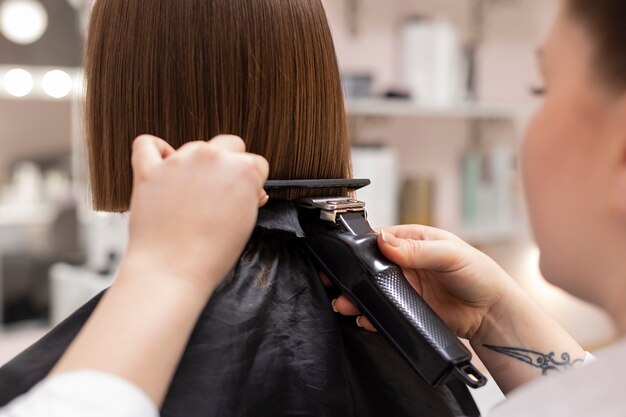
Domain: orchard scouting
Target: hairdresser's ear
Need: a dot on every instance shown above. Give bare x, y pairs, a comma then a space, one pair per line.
619, 191
619, 185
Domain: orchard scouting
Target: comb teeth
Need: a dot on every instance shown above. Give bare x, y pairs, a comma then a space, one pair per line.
351, 184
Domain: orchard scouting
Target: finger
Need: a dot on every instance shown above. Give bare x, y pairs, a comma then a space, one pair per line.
229, 143
325, 280
149, 151
344, 306
438, 255
261, 165
419, 232
256, 168
263, 199
193, 147
365, 323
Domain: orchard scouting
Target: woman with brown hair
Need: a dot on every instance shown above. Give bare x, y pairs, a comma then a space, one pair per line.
264, 70
268, 342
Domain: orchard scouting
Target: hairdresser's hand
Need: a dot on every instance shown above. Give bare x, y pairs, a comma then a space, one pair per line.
193, 209
459, 282
476, 299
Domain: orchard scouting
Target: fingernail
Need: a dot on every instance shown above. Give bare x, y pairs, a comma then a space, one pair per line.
263, 200
333, 304
358, 322
390, 239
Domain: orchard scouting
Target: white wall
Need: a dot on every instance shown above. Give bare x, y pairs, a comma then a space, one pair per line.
374, 49
32, 128
513, 30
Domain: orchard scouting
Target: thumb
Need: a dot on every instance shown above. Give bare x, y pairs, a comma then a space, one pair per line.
438, 255
228, 143
149, 151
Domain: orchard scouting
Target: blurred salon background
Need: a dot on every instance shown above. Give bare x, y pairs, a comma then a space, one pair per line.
438, 94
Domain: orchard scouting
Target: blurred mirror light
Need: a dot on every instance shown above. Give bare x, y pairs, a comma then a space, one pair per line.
18, 82
23, 21
57, 83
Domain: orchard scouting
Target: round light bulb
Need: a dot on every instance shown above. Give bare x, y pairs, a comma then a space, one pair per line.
23, 21
57, 83
18, 82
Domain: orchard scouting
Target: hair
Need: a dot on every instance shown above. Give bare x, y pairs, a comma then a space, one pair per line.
604, 21
184, 70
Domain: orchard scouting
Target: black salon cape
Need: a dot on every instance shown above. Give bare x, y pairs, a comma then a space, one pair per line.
268, 345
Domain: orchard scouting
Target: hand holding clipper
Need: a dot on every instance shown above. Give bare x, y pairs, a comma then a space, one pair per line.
346, 249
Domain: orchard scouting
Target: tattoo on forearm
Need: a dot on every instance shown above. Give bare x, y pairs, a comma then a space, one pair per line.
545, 362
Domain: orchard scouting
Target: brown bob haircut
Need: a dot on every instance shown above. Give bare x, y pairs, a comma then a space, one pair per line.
184, 70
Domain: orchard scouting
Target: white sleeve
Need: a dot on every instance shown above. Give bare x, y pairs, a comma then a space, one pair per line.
567, 395
589, 358
82, 394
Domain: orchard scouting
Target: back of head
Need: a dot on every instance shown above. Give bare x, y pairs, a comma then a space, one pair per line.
184, 70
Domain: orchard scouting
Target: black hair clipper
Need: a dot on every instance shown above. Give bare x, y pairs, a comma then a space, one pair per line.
346, 249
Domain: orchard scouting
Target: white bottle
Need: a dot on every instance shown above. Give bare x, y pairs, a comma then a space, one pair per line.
432, 62
27, 183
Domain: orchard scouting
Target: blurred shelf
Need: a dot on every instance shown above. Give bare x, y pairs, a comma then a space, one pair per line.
27, 214
407, 108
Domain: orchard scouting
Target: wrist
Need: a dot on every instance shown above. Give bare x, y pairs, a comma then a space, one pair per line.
518, 342
141, 326
157, 273
500, 320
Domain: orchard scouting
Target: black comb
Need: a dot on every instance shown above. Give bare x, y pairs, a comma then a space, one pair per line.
351, 184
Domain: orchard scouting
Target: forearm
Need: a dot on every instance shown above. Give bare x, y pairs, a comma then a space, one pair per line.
519, 342
140, 328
